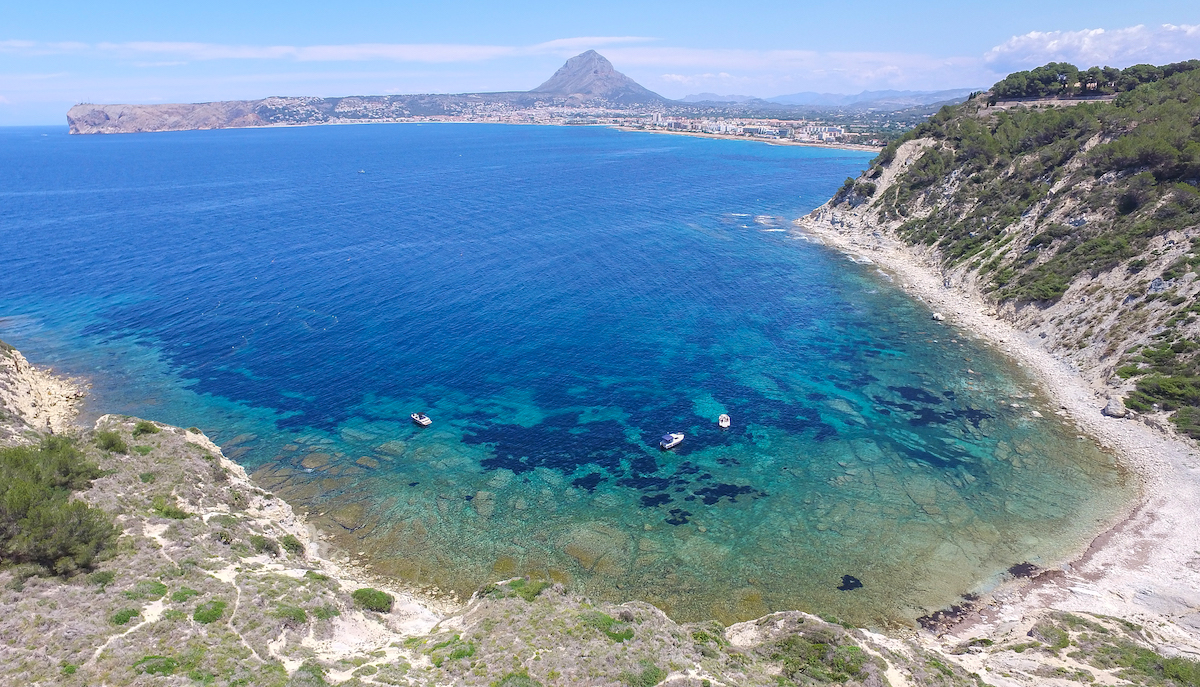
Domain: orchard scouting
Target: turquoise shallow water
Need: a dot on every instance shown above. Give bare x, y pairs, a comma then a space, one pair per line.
555, 299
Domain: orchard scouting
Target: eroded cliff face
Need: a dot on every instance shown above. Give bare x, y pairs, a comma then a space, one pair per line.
33, 401
1093, 257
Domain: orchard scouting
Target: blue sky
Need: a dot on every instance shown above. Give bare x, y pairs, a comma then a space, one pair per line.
54, 54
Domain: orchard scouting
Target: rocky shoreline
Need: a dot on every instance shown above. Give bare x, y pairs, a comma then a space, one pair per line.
36, 399
1139, 574
1144, 567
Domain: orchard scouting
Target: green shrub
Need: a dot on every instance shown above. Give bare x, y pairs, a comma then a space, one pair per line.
1187, 421
263, 544
308, 675
1054, 636
147, 589
451, 649
209, 612
608, 625
39, 521
325, 612
102, 578
183, 594
519, 678
156, 665
293, 615
314, 575
1127, 371
143, 451
1139, 662
373, 599
819, 655
522, 587
194, 430
124, 615
144, 427
148, 477
293, 545
174, 614
111, 442
168, 509
69, 668
649, 676
223, 520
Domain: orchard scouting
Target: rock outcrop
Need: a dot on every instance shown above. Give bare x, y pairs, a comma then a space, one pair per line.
33, 399
1115, 408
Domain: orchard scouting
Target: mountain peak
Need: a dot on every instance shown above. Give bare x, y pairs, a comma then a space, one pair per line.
590, 75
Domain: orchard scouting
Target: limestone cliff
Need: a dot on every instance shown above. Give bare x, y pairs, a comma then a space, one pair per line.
32, 400
1077, 219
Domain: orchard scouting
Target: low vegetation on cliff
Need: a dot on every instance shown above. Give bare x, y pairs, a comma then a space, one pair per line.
1078, 214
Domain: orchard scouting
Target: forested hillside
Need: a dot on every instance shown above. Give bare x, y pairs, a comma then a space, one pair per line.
1078, 218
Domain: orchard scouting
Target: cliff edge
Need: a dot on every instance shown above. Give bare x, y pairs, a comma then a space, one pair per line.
1077, 220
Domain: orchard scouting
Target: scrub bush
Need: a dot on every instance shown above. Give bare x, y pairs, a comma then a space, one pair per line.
111, 442
209, 612
144, 427
373, 599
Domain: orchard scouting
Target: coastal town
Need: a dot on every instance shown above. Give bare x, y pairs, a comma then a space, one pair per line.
661, 116
779, 130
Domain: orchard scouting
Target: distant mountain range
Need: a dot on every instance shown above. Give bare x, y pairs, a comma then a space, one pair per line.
714, 98
886, 101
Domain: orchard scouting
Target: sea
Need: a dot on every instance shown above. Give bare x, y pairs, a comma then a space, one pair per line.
556, 299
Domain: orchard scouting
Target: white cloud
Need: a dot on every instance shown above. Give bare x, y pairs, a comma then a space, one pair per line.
1116, 47
143, 70
573, 45
354, 52
694, 79
775, 72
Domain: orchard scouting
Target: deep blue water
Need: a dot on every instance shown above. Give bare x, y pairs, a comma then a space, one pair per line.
556, 299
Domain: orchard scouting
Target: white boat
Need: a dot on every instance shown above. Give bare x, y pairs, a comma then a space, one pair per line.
421, 419
723, 421
670, 441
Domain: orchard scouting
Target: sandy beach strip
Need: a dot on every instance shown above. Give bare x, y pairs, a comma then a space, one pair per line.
769, 141
1146, 565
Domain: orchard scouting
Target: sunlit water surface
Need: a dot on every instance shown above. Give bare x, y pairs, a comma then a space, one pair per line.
555, 299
